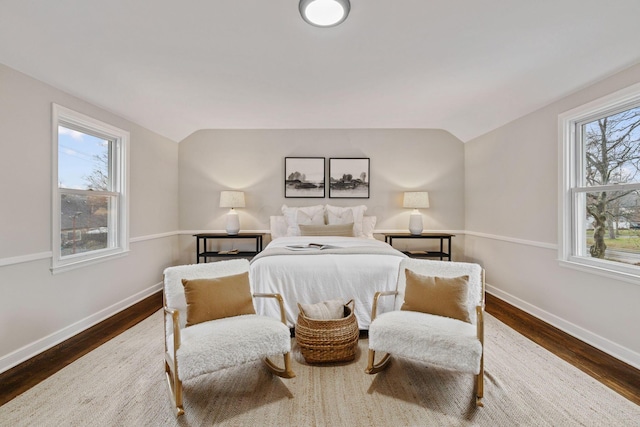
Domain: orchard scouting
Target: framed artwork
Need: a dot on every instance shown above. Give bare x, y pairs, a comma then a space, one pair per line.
349, 178
304, 177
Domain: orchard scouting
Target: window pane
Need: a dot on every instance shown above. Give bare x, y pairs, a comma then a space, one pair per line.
612, 230
83, 160
84, 223
612, 149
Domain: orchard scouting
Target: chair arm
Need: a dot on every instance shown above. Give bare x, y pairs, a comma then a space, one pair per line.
175, 321
374, 309
280, 303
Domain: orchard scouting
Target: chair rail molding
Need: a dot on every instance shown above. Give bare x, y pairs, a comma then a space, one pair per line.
48, 254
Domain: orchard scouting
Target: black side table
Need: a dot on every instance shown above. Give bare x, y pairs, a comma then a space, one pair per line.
388, 237
203, 253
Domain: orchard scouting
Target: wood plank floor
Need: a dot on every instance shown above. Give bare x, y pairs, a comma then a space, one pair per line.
31, 372
617, 375
613, 373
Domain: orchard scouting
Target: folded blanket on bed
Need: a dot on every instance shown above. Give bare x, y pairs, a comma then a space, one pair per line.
351, 250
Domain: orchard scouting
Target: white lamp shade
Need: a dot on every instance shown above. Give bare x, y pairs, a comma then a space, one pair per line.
232, 199
416, 199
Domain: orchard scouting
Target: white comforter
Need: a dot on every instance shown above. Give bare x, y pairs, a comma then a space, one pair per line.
324, 275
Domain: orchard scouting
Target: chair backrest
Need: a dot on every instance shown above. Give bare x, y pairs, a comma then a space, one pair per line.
174, 290
475, 294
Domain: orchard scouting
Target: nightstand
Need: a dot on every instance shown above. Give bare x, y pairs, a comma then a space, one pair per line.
203, 253
388, 237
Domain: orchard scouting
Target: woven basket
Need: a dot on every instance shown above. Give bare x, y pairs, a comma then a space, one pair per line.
334, 340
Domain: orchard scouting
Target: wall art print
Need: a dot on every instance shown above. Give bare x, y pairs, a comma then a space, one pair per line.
349, 178
304, 177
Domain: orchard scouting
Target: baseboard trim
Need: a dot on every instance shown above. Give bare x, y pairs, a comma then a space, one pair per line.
610, 371
613, 349
29, 373
37, 347
613, 373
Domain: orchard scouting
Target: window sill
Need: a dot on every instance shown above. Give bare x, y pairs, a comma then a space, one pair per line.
601, 269
72, 265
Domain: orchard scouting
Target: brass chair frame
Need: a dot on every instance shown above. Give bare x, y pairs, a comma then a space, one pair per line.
174, 383
383, 363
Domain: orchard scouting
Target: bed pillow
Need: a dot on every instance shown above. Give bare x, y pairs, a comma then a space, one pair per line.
210, 299
368, 225
303, 215
278, 226
441, 296
326, 310
343, 230
344, 215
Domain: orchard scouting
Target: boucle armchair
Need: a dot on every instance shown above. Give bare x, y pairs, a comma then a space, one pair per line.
437, 319
196, 346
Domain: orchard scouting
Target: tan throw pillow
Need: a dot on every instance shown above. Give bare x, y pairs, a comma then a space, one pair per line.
442, 296
210, 299
343, 230
326, 310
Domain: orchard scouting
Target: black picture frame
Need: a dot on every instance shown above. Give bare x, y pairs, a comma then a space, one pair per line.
349, 178
304, 177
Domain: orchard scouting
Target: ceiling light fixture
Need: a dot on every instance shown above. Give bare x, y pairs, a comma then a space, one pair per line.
324, 13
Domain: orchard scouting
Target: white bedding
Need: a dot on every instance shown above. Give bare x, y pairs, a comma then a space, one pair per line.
324, 275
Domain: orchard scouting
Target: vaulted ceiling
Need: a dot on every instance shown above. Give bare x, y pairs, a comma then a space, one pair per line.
466, 66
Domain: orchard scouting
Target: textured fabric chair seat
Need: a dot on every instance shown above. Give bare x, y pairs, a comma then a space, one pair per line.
444, 342
441, 292
223, 343
207, 345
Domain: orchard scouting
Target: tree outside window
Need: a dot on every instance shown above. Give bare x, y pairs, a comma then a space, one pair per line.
610, 185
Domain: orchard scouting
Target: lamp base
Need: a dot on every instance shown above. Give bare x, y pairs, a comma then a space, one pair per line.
415, 223
233, 223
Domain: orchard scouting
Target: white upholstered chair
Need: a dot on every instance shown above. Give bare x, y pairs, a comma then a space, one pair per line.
436, 340
213, 345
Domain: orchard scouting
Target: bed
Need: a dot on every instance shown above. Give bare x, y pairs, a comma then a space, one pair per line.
346, 268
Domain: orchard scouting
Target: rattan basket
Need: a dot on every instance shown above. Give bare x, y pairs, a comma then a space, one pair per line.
334, 340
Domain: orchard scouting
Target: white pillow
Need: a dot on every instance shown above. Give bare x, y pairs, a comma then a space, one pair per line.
278, 226
368, 225
294, 216
326, 310
340, 215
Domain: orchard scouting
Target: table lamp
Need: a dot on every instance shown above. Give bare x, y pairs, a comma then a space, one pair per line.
415, 200
232, 199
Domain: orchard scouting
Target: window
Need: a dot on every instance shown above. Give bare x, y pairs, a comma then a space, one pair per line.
90, 209
600, 186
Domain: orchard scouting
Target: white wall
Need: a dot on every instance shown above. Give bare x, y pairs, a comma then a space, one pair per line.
38, 309
253, 161
511, 207
502, 187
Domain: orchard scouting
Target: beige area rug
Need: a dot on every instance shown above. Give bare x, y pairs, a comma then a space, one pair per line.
122, 384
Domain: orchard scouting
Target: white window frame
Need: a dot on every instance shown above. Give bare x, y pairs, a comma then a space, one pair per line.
119, 219
570, 170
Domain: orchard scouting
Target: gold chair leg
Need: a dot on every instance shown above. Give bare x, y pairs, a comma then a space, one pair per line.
372, 367
175, 389
285, 372
480, 385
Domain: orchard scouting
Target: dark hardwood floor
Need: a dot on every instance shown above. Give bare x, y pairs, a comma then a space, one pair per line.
31, 372
613, 373
617, 375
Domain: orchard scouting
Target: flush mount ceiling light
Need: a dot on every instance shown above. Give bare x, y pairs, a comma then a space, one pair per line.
324, 13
